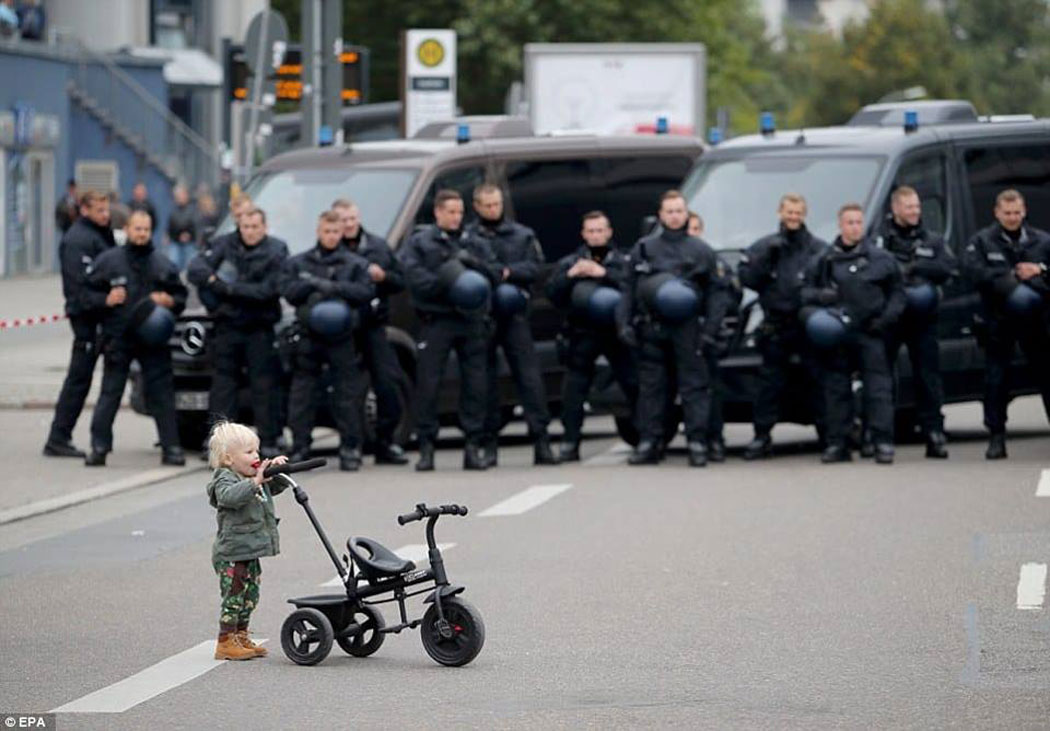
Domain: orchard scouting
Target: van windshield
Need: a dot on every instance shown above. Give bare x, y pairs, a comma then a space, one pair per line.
293, 199
738, 199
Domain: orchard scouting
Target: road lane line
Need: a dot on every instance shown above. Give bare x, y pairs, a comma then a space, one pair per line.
525, 500
149, 683
616, 454
416, 552
1043, 490
1031, 586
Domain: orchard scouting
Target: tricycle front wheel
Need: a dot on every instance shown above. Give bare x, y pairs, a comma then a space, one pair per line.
457, 642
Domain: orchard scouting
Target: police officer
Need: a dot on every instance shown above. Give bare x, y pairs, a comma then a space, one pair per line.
238, 278
590, 324
142, 296
673, 279
1007, 262
926, 264
434, 259
773, 267
518, 252
87, 237
328, 285
864, 284
384, 369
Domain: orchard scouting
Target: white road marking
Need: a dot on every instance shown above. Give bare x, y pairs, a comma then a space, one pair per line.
617, 454
1031, 586
1044, 485
416, 552
149, 683
525, 500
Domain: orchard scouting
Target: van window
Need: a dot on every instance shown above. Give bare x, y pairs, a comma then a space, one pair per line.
990, 170
461, 180
633, 186
927, 172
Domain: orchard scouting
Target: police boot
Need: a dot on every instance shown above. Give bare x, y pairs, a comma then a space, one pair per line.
489, 452
349, 459
228, 648
936, 445
541, 452
867, 446
473, 459
570, 452
426, 456
884, 453
62, 449
697, 454
172, 456
97, 458
716, 450
835, 453
389, 453
996, 447
759, 448
246, 642
647, 452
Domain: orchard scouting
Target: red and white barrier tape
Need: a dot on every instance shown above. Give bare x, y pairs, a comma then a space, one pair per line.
28, 321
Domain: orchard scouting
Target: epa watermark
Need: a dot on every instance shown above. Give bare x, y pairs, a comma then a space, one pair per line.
27, 720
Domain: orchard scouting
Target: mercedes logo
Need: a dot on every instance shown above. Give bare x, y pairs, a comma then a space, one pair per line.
193, 336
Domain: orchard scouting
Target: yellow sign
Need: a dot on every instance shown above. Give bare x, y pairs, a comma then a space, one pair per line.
430, 53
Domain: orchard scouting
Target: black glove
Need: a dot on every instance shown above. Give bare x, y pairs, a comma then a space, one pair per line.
827, 296
469, 260
628, 336
713, 345
324, 286
220, 287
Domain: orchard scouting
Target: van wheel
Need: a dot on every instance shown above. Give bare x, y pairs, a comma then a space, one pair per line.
627, 431
405, 388
193, 429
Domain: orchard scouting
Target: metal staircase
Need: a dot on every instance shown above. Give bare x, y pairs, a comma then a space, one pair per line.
134, 116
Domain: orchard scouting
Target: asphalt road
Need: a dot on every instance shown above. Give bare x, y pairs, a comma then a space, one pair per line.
783, 594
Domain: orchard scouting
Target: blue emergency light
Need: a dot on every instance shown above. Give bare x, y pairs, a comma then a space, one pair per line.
661, 125
463, 133
325, 136
714, 135
767, 124
911, 120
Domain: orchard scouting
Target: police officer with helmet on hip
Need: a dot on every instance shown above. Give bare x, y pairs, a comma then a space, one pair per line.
516, 249
926, 264
84, 241
1007, 263
327, 285
143, 295
450, 276
673, 281
238, 280
587, 285
858, 286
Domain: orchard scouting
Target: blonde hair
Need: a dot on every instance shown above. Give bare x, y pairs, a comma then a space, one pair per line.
225, 436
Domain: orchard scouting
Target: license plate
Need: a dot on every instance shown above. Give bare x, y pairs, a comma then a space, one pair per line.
191, 400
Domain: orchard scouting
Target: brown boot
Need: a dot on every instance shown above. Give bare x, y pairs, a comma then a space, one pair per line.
228, 648
246, 642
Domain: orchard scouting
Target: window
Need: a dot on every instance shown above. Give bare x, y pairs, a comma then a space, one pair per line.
461, 180
990, 170
633, 186
927, 173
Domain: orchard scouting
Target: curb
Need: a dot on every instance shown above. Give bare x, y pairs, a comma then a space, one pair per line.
131, 482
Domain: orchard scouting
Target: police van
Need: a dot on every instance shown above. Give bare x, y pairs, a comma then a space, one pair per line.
957, 161
550, 182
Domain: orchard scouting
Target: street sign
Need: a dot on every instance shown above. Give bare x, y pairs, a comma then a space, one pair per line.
266, 39
429, 78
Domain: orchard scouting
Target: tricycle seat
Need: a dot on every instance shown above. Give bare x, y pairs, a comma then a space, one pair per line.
318, 600
375, 560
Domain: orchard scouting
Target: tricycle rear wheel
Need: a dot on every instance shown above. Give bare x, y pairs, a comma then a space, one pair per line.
306, 636
464, 637
369, 638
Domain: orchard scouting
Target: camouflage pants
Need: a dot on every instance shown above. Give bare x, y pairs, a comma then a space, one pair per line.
239, 586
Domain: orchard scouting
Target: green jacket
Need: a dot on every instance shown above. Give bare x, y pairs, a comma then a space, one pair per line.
246, 518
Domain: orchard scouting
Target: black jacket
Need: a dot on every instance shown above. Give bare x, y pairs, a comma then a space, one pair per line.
320, 274
863, 280
515, 247
560, 285
251, 297
990, 257
922, 254
183, 219
684, 256
377, 251
141, 270
774, 267
423, 254
81, 245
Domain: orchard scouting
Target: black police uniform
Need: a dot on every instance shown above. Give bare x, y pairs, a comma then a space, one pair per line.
587, 340
307, 279
988, 262
924, 259
866, 284
140, 270
80, 246
515, 248
774, 267
673, 352
713, 354
245, 302
446, 328
380, 360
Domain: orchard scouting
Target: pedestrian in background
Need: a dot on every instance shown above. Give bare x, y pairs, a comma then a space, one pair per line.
68, 207
207, 218
140, 201
182, 228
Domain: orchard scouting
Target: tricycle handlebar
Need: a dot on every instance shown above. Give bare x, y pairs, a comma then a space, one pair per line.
422, 511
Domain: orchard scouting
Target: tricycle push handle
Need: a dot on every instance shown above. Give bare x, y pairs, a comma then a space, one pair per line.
289, 467
422, 511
